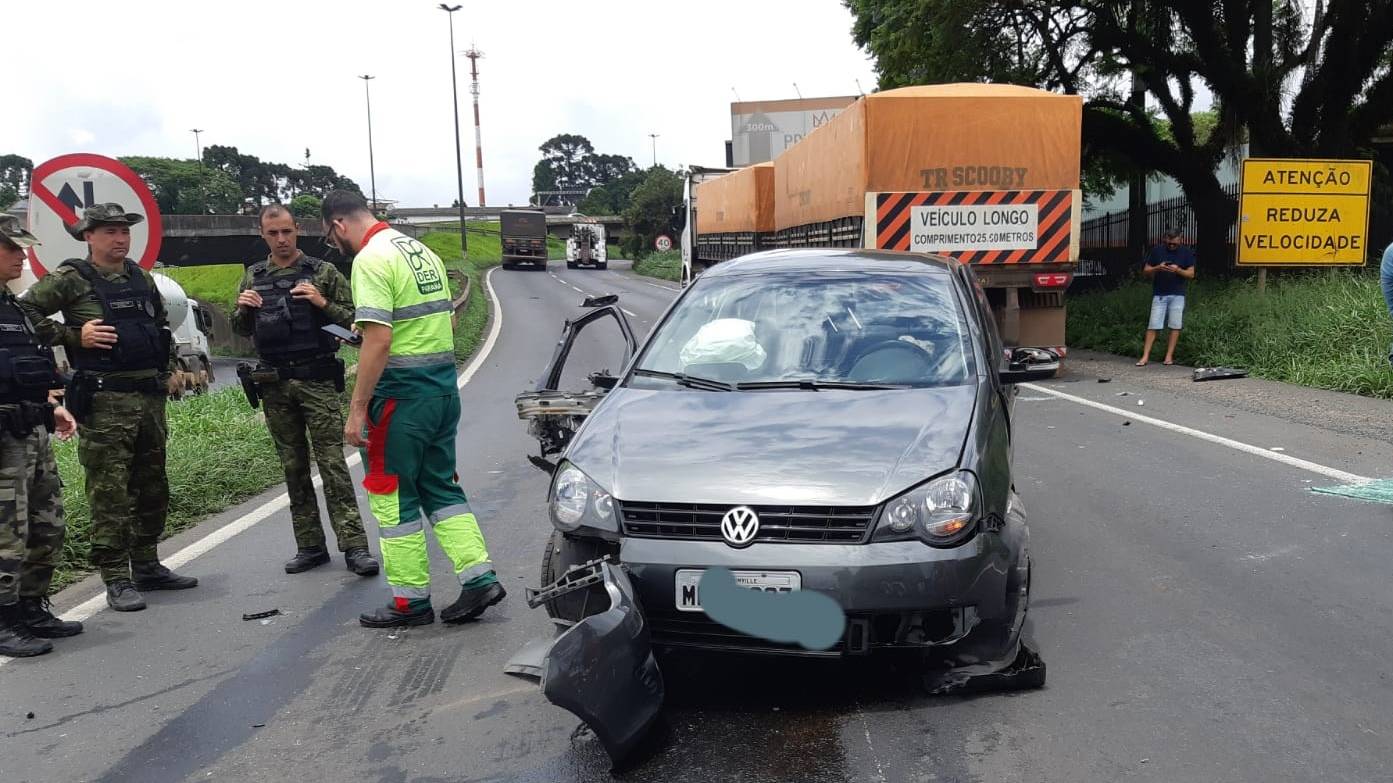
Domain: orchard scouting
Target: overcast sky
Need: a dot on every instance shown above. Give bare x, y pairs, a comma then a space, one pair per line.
272, 78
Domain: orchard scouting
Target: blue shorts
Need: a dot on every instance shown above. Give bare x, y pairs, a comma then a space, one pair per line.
1167, 312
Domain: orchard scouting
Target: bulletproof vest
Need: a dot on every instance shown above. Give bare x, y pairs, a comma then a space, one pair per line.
129, 307
288, 329
27, 368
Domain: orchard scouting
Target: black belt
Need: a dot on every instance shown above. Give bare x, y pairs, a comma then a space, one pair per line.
142, 385
24, 416
318, 370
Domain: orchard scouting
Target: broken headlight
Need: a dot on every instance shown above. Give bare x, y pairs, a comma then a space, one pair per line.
577, 501
941, 513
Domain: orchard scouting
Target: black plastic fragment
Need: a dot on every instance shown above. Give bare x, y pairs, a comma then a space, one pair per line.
1218, 373
261, 615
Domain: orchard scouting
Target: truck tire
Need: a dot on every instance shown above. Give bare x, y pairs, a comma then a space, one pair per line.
561, 553
602, 265
509, 265
572, 265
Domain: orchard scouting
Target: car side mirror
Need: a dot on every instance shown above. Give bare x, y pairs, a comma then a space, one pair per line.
603, 380
1030, 364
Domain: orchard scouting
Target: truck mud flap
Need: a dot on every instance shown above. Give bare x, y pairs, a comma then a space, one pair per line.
601, 669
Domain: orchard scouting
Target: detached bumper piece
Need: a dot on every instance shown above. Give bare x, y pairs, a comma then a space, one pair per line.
602, 668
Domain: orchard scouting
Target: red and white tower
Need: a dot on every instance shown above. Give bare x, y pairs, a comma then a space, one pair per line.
474, 54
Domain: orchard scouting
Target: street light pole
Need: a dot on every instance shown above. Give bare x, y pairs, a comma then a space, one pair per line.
372, 169
654, 137
198, 147
459, 159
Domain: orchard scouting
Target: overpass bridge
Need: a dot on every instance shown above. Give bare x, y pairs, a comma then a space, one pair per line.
559, 219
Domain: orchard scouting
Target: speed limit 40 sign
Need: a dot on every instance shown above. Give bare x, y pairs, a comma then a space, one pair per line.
663, 242
61, 188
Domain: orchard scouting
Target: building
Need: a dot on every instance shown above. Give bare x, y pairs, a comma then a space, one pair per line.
760, 130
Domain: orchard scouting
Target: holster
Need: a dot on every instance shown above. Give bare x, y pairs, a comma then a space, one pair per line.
78, 395
244, 374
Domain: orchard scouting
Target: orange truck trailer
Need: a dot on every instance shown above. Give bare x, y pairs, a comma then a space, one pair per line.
984, 173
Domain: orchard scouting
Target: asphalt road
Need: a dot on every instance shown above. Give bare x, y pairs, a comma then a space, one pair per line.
1204, 617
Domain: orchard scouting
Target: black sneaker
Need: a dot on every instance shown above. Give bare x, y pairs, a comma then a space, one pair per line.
360, 561
305, 559
16, 640
154, 576
122, 596
472, 602
388, 617
37, 614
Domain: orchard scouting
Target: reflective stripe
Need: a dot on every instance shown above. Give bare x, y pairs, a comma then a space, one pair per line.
372, 314
397, 531
425, 308
422, 360
450, 511
475, 571
399, 591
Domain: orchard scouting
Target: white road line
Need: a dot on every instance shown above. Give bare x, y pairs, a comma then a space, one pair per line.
1257, 451
577, 290
202, 546
630, 314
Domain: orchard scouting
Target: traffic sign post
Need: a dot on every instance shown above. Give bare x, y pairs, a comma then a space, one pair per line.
1303, 212
61, 188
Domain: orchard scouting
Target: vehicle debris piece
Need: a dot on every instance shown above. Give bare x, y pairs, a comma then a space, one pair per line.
260, 615
1024, 670
1218, 373
601, 669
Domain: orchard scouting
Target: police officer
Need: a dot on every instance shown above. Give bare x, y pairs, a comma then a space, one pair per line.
283, 302
116, 334
31, 508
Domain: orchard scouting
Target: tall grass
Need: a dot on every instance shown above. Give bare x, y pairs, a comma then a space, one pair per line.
664, 265
215, 284
1325, 329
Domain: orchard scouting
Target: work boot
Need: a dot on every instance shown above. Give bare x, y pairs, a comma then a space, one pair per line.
472, 602
37, 613
16, 640
397, 614
122, 596
359, 561
305, 559
154, 576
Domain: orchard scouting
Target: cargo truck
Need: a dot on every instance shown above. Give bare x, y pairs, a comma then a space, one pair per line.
524, 237
586, 246
987, 174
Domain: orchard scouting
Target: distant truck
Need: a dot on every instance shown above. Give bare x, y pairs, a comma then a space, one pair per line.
987, 174
586, 246
524, 235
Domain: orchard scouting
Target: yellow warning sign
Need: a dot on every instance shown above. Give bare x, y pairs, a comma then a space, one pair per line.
1303, 212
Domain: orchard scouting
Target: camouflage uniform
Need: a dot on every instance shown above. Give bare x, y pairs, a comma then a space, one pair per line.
296, 408
122, 441
31, 513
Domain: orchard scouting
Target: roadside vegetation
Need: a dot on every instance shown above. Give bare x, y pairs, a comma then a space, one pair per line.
664, 265
1328, 330
215, 284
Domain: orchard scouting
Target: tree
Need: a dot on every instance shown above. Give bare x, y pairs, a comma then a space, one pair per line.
1317, 89
305, 205
185, 187
318, 181
259, 181
14, 178
612, 198
563, 164
651, 209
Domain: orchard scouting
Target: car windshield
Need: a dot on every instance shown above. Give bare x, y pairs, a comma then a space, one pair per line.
859, 329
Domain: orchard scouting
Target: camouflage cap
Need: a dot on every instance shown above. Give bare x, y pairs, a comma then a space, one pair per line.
109, 214
12, 231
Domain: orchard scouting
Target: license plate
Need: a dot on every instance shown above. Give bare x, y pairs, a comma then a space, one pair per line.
689, 600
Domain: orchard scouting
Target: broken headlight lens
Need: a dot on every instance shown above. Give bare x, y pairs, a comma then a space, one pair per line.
942, 512
577, 501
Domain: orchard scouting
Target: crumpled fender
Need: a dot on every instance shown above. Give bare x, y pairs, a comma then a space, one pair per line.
601, 669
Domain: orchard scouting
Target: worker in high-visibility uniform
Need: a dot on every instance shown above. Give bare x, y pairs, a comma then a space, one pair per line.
407, 401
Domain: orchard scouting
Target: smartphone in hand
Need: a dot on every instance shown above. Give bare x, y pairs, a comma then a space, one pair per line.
352, 338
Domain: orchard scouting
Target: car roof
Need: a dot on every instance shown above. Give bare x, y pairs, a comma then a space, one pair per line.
833, 260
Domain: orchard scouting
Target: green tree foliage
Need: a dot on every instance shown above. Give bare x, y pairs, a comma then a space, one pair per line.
1299, 87
14, 178
612, 198
184, 187
569, 162
305, 205
651, 209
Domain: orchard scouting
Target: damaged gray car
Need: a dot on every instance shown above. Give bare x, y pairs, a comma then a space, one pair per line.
817, 420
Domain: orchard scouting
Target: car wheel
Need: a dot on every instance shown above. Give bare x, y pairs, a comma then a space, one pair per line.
561, 553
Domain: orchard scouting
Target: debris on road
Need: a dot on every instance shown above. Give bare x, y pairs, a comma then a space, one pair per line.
1105, 380
1141, 402
260, 615
1126, 423
1218, 373
1025, 671
29, 716
1124, 394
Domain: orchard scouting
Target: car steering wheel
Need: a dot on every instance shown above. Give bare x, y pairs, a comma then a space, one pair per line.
891, 361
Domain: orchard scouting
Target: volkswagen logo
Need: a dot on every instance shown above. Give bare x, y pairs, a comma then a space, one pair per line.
739, 526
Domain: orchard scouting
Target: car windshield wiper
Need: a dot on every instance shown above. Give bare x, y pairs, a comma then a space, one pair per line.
815, 385
690, 381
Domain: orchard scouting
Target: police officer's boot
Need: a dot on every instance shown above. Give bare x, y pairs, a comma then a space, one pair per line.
37, 613
305, 559
122, 596
15, 639
154, 576
360, 561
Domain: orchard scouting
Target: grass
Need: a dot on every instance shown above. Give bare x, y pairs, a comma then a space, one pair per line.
664, 265
1326, 329
214, 284
219, 451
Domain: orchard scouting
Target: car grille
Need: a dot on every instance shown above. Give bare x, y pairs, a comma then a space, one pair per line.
777, 524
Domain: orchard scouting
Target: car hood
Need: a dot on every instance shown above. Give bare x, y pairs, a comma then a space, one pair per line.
851, 448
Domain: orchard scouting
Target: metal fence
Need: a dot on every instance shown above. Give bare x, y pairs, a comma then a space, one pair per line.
1113, 229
